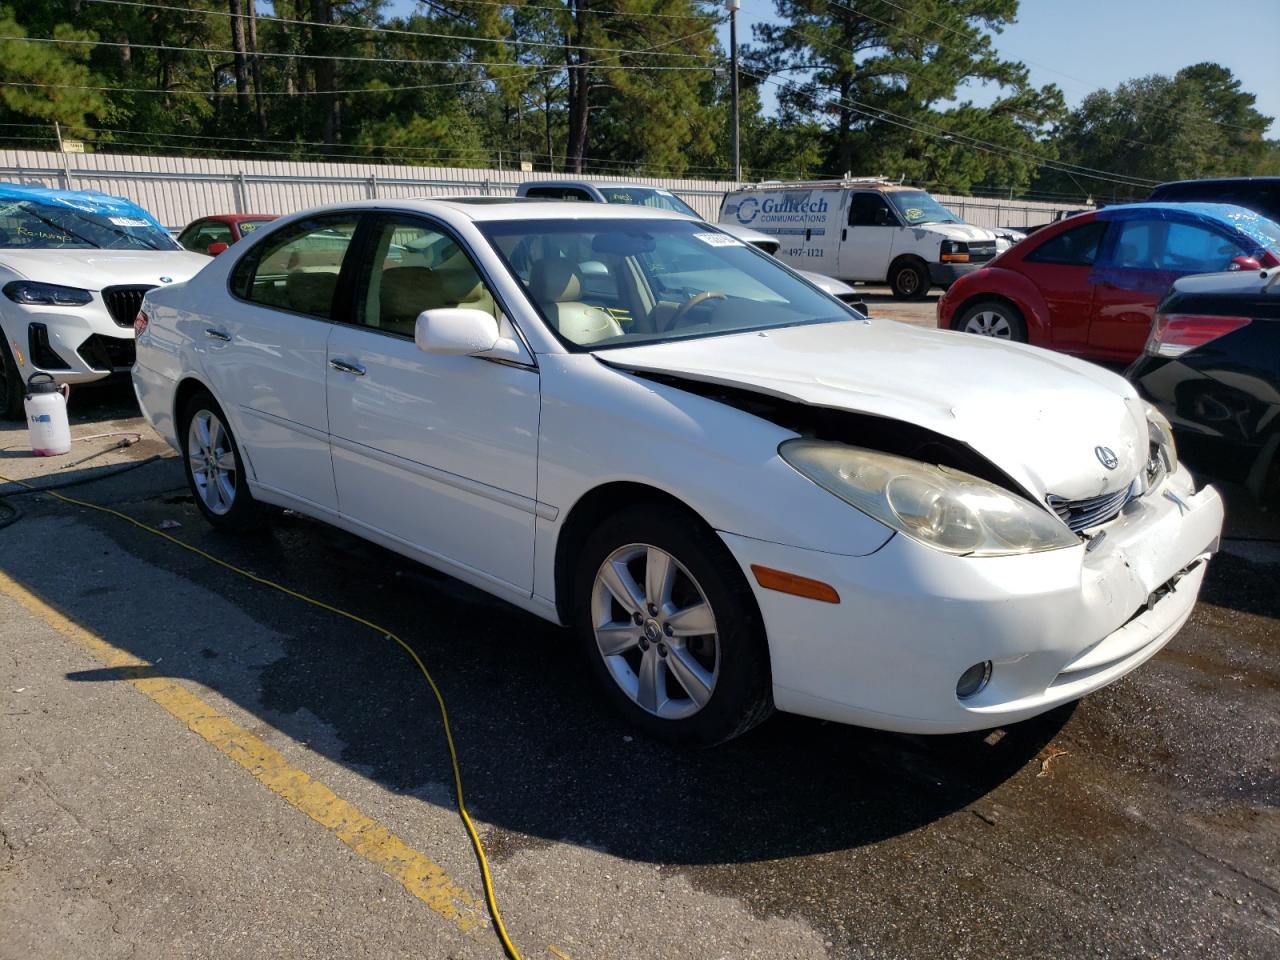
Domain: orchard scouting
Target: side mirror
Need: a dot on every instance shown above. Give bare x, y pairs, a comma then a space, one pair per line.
1244, 263
216, 248
882, 217
462, 332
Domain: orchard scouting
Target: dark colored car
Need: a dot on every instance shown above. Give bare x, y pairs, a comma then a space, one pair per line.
212, 235
1259, 194
1089, 285
1212, 366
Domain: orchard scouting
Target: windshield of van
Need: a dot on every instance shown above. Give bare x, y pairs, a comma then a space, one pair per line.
34, 225
648, 197
917, 207
617, 283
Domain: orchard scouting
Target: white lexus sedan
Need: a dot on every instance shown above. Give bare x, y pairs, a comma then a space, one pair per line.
74, 265
741, 496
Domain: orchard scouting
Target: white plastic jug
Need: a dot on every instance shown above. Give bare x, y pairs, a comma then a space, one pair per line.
47, 425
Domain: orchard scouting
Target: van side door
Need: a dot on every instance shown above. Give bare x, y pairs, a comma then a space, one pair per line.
824, 213
867, 237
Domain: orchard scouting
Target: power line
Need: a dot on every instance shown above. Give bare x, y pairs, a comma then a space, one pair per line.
987, 147
594, 13
164, 48
270, 93
376, 30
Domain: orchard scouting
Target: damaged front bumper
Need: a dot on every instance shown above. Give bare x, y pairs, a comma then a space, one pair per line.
1054, 625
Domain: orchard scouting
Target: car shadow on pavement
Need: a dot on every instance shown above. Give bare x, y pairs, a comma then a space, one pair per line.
543, 758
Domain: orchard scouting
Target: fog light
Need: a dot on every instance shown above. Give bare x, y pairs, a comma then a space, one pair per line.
973, 680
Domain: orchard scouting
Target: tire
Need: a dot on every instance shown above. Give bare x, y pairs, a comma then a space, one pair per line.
726, 685
217, 483
12, 389
998, 319
909, 279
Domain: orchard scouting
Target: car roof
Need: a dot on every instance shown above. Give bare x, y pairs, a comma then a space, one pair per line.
236, 217
590, 182
1248, 283
485, 209
1218, 181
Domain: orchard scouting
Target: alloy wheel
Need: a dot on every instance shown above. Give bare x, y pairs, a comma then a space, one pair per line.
655, 631
989, 323
212, 462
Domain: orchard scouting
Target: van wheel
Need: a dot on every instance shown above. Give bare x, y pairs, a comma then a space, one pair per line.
909, 279
992, 318
11, 392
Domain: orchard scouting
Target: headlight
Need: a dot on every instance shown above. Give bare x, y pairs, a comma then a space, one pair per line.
942, 508
1162, 459
28, 291
954, 251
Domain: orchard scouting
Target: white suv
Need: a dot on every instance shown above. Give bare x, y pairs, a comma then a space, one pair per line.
73, 268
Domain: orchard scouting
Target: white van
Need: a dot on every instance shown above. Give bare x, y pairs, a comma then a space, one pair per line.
863, 229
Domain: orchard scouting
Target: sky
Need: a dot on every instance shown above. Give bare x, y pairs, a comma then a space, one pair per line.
1085, 45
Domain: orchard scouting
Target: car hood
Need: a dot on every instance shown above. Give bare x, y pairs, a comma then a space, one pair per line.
1038, 416
837, 288
95, 269
747, 235
958, 231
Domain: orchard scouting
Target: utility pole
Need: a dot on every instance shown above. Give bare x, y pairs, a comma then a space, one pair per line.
735, 155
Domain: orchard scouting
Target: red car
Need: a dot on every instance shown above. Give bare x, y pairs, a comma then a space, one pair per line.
212, 235
1089, 284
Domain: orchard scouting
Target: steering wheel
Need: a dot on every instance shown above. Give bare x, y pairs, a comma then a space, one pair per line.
683, 310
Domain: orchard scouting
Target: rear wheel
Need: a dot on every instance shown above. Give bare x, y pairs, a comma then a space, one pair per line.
215, 470
671, 629
992, 318
11, 386
909, 279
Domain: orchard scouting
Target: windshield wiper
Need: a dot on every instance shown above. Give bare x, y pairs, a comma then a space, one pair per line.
57, 226
128, 236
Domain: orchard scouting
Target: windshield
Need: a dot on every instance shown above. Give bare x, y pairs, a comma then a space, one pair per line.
648, 197
616, 283
918, 207
35, 225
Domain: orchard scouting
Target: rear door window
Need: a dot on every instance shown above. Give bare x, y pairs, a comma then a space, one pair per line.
297, 269
1171, 246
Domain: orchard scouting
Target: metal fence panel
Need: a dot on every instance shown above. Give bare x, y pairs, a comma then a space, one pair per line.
178, 190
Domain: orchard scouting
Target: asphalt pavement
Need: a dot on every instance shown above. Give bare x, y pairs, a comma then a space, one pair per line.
192, 764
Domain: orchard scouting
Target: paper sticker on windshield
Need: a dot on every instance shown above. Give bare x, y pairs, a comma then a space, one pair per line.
128, 222
718, 240
913, 213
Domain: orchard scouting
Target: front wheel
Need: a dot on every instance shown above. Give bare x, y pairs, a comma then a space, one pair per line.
671, 628
909, 280
215, 470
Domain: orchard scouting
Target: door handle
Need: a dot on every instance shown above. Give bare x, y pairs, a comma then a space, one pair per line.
345, 366
215, 334
844, 234
808, 234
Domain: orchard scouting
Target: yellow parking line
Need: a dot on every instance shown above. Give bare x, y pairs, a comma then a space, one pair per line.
416, 872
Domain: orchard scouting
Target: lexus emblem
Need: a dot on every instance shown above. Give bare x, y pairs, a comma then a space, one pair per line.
166, 279
1107, 457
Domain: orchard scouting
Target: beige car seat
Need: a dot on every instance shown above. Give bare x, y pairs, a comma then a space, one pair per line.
310, 293
556, 285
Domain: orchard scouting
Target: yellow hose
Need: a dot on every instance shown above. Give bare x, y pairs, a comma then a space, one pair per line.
489, 896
